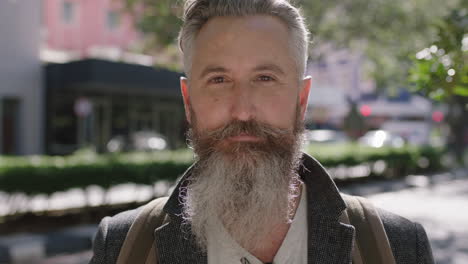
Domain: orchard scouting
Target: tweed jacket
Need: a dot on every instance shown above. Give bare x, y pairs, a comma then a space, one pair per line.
329, 240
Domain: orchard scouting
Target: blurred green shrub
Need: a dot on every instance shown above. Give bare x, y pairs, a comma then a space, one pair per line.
47, 174
398, 162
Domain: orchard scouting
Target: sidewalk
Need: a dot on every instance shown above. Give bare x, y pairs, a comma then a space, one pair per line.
32, 248
442, 210
439, 203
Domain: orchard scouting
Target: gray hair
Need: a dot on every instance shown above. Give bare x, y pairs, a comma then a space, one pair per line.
198, 12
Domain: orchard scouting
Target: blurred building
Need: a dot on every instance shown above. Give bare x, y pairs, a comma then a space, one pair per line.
21, 92
97, 87
336, 78
56, 97
74, 29
91, 101
407, 115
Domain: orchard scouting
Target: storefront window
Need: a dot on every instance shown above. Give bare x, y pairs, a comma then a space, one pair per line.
63, 127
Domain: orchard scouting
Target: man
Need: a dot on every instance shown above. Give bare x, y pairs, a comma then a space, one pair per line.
251, 196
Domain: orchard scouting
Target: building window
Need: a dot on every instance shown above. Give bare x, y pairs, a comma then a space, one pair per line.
62, 126
68, 12
113, 20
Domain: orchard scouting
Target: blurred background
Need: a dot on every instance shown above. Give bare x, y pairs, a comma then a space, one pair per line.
92, 121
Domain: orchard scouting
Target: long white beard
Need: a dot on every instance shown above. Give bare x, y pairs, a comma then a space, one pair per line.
250, 190
249, 196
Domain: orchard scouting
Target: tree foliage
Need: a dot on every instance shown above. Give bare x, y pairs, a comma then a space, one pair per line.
385, 32
158, 19
441, 70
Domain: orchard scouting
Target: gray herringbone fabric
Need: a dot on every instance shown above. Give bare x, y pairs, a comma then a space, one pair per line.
329, 241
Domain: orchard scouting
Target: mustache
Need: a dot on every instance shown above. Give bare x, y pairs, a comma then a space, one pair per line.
272, 138
249, 127
210, 138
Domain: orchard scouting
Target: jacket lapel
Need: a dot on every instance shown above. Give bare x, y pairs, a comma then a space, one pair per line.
174, 242
329, 241
176, 246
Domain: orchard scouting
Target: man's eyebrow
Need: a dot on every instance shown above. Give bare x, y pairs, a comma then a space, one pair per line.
270, 67
262, 67
211, 69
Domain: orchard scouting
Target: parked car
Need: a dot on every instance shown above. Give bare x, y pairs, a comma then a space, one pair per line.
381, 138
138, 141
325, 136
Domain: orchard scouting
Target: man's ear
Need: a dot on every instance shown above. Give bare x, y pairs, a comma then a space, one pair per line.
304, 95
186, 98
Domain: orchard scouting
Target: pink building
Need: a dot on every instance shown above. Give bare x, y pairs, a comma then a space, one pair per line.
82, 26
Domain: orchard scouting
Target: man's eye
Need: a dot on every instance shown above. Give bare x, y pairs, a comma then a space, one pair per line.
217, 80
265, 78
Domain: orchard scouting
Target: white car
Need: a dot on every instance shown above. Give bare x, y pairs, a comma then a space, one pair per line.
138, 141
325, 136
380, 138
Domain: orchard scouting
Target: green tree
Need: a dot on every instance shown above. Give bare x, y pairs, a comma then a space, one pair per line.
386, 32
441, 72
159, 21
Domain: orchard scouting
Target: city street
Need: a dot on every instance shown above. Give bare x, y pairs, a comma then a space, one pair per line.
439, 204
442, 210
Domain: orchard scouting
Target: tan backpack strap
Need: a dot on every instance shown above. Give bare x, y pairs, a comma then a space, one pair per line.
138, 246
356, 252
152, 255
371, 239
378, 230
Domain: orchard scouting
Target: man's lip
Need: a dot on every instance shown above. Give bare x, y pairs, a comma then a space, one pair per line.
245, 138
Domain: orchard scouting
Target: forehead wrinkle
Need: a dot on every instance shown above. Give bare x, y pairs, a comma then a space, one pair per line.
269, 66
212, 69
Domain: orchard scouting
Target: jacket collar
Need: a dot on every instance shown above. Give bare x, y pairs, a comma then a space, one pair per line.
329, 241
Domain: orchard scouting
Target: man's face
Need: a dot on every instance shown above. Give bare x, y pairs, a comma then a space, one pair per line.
243, 69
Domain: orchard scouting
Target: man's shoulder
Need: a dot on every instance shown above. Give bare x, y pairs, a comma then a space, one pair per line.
110, 236
121, 222
395, 223
408, 239
113, 230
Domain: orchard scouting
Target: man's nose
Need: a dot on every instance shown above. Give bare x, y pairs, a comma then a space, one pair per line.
243, 107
